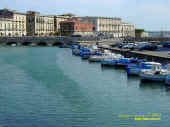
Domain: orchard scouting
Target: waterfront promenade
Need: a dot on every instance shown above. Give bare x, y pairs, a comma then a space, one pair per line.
158, 56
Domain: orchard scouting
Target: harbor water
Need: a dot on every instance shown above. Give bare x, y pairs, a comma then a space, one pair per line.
49, 87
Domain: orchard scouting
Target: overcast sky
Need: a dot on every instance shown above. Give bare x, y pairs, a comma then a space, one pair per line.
147, 14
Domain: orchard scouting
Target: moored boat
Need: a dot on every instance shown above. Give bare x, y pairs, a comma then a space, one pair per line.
157, 73
135, 68
111, 60
167, 79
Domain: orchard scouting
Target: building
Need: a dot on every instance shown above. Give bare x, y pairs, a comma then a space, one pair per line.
39, 25
57, 20
76, 26
126, 30
112, 27
141, 33
12, 23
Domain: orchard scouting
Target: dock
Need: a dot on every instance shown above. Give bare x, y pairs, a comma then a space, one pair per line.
157, 56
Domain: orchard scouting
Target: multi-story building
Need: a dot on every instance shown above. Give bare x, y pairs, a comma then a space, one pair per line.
127, 30
12, 23
57, 20
39, 25
111, 26
76, 26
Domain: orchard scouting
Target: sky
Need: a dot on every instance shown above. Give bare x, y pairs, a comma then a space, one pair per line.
152, 15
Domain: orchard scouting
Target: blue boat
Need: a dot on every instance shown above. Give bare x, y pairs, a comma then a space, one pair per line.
109, 62
135, 68
167, 80
122, 62
85, 53
156, 74
76, 49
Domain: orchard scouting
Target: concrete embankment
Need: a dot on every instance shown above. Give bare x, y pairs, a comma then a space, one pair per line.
157, 56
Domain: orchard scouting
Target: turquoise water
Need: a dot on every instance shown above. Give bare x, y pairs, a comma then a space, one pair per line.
48, 87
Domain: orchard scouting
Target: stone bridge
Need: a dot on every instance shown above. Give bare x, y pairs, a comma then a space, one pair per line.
41, 41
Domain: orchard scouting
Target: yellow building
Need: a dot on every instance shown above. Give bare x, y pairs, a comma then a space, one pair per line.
12, 23
39, 25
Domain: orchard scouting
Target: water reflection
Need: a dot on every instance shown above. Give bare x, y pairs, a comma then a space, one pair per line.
151, 86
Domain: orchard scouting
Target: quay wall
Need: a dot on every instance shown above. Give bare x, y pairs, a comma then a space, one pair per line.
156, 56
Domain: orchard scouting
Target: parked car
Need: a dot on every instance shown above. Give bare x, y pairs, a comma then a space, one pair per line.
129, 46
166, 44
148, 46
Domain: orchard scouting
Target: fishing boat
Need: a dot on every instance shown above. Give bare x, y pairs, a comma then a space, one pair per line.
99, 56
86, 52
135, 68
167, 79
122, 62
111, 60
156, 73
76, 49
13, 45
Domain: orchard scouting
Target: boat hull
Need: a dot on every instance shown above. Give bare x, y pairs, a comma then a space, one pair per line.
167, 81
153, 78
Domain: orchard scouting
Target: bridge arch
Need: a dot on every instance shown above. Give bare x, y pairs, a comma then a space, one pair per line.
57, 43
42, 44
26, 43
12, 43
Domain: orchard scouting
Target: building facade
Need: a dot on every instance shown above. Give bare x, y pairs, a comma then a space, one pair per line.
127, 30
39, 25
57, 20
12, 23
112, 27
76, 26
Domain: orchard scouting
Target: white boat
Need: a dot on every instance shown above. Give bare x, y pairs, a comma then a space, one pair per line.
167, 80
13, 45
112, 60
156, 73
98, 58
134, 69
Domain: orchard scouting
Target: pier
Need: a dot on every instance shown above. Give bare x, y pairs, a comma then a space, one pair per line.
157, 56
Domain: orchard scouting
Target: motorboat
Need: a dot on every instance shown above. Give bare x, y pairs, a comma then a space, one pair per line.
167, 79
156, 73
99, 56
76, 49
135, 68
111, 60
13, 45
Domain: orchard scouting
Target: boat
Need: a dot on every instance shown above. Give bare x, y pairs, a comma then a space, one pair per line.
86, 52
111, 60
122, 62
76, 49
135, 68
13, 45
99, 56
156, 73
167, 79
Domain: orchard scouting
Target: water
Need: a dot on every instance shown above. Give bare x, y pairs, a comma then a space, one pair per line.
48, 87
